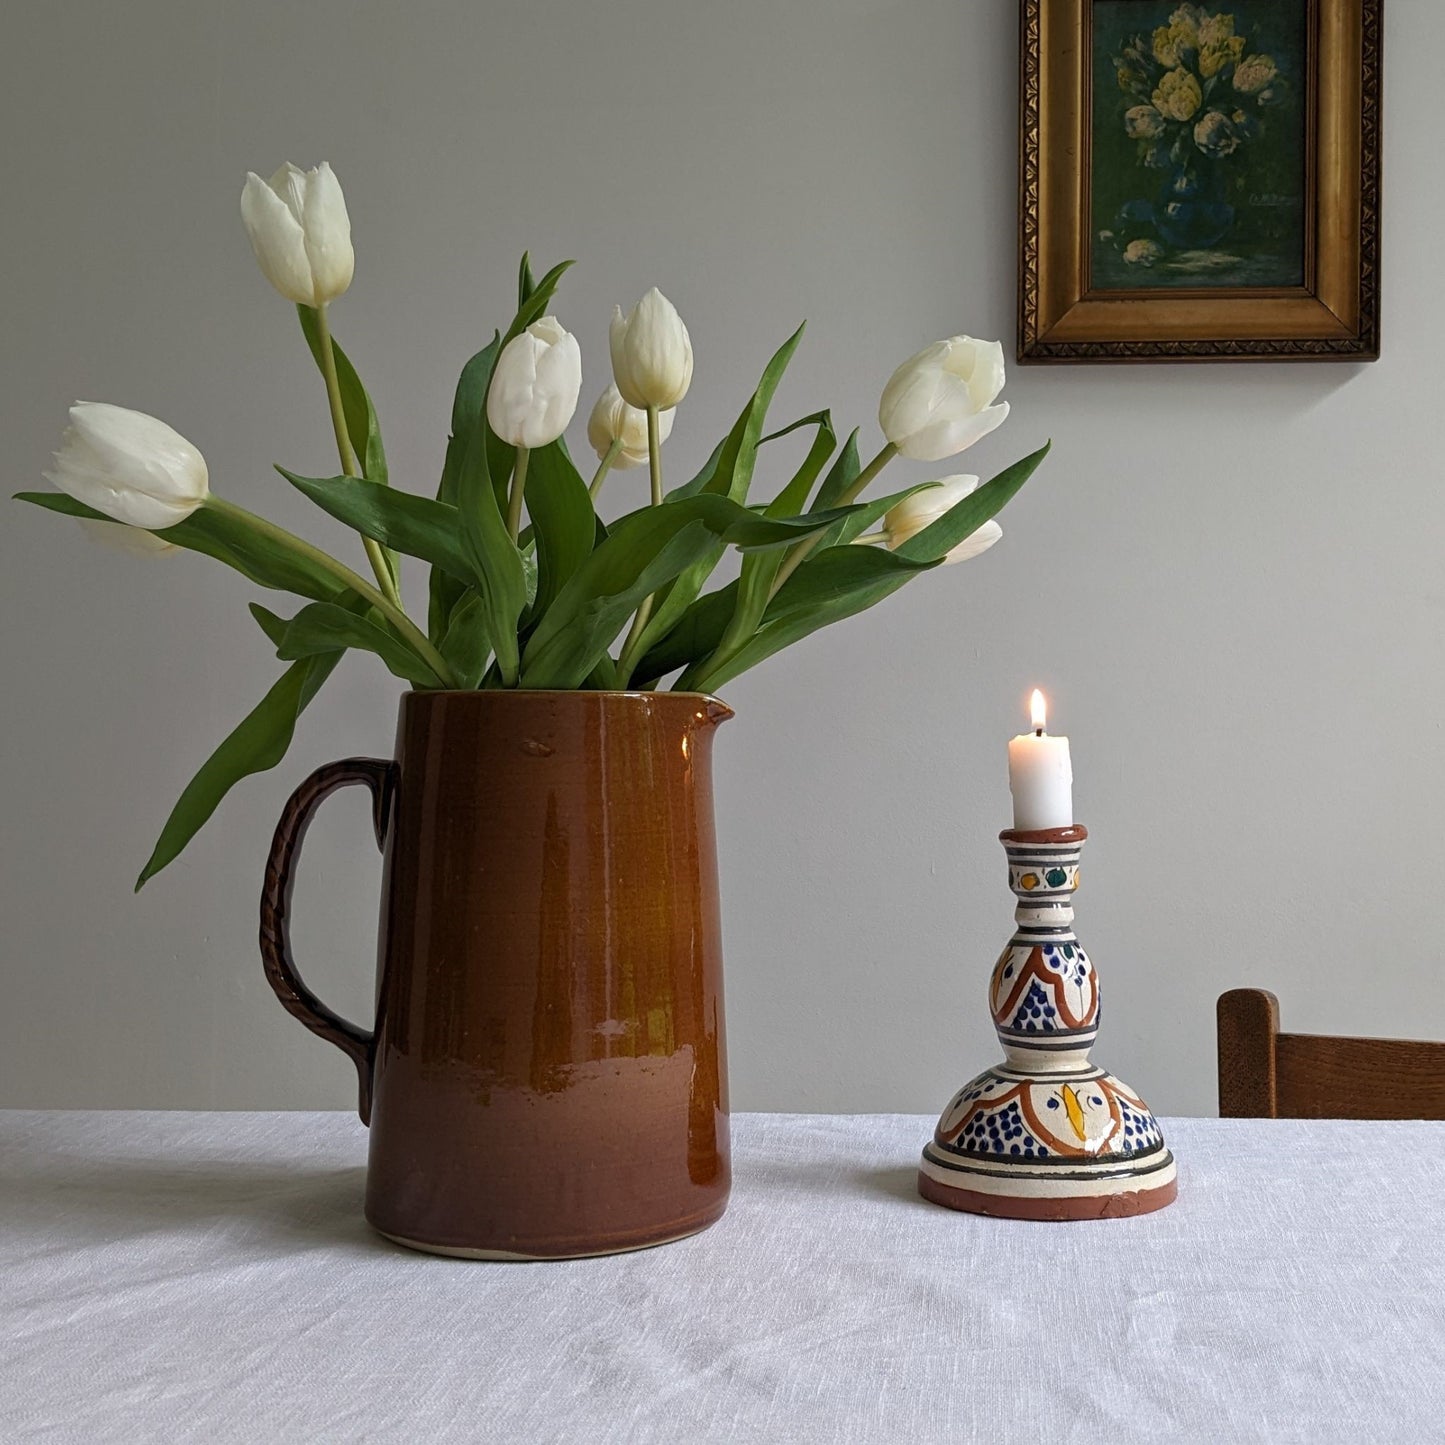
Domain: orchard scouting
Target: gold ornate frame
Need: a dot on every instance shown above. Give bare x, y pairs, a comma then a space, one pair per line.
1334, 316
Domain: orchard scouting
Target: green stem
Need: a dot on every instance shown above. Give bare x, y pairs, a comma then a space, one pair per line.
603, 467
633, 644
393, 613
798, 552
519, 486
344, 448
654, 454
628, 659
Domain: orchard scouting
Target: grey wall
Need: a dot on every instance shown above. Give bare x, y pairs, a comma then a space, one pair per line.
1227, 577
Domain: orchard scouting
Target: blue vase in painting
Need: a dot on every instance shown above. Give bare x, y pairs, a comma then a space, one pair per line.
1191, 213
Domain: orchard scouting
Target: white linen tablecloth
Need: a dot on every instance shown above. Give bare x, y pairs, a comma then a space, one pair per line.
209, 1277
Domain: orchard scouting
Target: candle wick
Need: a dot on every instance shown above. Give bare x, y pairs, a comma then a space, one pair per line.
1038, 732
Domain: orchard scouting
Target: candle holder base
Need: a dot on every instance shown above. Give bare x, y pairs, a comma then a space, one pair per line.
1045, 1134
971, 1163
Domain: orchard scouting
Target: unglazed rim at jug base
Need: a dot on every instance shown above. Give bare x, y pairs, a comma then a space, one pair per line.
451, 1251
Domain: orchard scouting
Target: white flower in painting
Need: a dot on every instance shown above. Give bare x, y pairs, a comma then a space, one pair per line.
1178, 95
1216, 136
1143, 253
1252, 75
1143, 122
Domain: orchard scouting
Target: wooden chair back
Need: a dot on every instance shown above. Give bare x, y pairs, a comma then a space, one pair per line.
1264, 1074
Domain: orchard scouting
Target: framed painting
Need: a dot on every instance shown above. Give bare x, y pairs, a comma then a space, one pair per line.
1199, 182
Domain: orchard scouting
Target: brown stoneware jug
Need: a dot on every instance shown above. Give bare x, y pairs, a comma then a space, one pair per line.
546, 1076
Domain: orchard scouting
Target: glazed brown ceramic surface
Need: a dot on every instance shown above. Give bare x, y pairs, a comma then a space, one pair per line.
547, 1073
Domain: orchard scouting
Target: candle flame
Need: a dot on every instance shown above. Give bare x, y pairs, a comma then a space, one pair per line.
1036, 710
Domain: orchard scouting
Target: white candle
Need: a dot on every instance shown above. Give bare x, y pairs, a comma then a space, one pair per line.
1040, 776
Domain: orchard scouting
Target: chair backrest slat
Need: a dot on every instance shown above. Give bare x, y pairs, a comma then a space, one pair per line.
1266, 1074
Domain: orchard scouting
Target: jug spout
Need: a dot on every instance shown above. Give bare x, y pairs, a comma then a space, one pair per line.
715, 710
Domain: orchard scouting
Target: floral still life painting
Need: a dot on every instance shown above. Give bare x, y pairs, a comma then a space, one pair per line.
1198, 145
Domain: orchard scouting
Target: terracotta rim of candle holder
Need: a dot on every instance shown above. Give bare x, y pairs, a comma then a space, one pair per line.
1074, 833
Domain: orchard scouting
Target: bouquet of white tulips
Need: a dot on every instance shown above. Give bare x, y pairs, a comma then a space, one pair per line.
529, 588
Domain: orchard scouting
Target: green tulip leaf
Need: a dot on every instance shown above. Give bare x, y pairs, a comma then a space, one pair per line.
966, 517
273, 626
700, 481
838, 582
362, 427
466, 644
828, 587
526, 282
322, 627
674, 602
471, 395
835, 576
564, 526
477, 461
733, 474
760, 569
415, 525
841, 475
529, 575
643, 552
864, 515
794, 497
534, 305
694, 636
216, 534
501, 572
257, 744
671, 603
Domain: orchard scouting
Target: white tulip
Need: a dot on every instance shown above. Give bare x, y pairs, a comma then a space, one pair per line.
130, 466
940, 402
925, 507
131, 540
535, 385
300, 232
613, 420
651, 353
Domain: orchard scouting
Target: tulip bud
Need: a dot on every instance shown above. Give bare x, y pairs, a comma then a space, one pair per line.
939, 402
130, 466
613, 420
535, 385
300, 232
651, 353
923, 508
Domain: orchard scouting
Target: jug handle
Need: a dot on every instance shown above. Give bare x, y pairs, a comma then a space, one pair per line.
281, 972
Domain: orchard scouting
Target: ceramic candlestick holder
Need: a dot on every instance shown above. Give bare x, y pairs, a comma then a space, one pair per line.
1046, 1134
